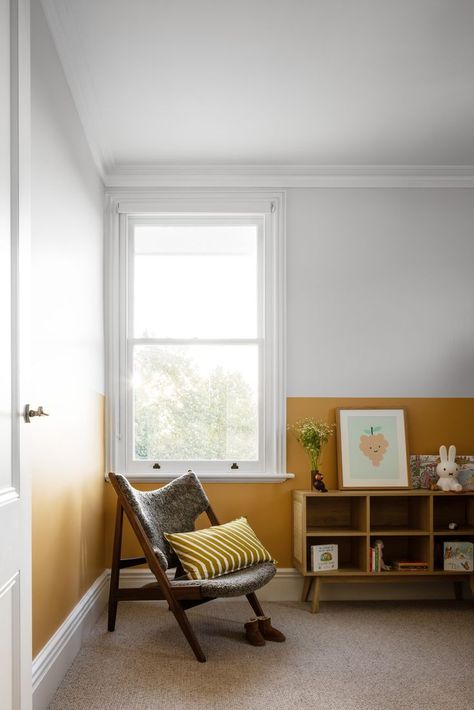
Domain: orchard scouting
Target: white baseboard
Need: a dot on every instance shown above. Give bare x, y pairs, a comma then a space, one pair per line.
52, 662
286, 586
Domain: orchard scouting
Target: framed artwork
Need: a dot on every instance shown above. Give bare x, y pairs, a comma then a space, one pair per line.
423, 470
372, 448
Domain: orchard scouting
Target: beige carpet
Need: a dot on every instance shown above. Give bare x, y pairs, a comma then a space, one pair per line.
364, 656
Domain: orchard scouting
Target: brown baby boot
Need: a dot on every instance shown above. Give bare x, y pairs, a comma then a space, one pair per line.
267, 630
252, 632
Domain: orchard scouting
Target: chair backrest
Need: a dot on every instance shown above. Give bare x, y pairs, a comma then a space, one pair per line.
173, 508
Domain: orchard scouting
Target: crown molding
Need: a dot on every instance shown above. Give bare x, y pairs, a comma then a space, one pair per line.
286, 176
70, 48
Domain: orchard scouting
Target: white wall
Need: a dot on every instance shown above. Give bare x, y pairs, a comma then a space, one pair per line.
380, 292
67, 226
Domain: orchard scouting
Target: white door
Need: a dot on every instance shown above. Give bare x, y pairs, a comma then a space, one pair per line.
15, 530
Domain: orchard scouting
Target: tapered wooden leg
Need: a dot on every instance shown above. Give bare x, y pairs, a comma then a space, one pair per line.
307, 584
187, 630
115, 572
457, 590
315, 599
255, 604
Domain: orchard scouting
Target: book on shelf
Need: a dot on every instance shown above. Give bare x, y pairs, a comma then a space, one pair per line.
458, 556
324, 558
402, 565
375, 559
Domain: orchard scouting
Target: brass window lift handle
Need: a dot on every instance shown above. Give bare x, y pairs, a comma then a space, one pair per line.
28, 413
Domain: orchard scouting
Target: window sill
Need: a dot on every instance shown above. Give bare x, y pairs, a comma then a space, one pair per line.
212, 477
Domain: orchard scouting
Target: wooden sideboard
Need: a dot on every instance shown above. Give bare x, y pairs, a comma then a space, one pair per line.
413, 524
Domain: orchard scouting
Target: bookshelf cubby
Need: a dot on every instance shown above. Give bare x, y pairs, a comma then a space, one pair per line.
413, 525
396, 515
405, 547
352, 552
459, 509
337, 514
438, 548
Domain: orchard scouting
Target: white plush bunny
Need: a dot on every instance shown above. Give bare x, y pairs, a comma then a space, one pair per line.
447, 470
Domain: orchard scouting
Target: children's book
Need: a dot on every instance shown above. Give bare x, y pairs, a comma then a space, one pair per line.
458, 556
405, 565
324, 558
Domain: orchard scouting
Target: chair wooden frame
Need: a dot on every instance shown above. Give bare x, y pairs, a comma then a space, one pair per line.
179, 598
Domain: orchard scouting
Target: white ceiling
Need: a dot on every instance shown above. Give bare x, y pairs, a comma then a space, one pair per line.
271, 82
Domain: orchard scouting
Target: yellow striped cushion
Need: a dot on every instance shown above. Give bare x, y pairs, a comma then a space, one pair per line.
214, 551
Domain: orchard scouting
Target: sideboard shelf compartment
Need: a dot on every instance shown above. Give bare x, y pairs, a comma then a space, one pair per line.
453, 509
352, 552
438, 551
399, 514
341, 513
406, 547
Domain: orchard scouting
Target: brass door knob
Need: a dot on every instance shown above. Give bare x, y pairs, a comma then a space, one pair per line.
28, 413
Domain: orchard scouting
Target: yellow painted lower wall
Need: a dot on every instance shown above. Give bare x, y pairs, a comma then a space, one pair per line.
430, 422
67, 509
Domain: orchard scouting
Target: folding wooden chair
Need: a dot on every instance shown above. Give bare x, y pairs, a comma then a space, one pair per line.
173, 508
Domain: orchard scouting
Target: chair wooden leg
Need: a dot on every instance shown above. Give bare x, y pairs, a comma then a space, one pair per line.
255, 604
115, 571
186, 628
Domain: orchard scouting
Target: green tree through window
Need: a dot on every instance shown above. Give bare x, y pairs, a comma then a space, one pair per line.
183, 413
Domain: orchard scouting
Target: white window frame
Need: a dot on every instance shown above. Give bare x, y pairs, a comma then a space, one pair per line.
125, 209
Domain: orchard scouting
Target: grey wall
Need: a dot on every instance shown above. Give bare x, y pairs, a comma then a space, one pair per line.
380, 292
